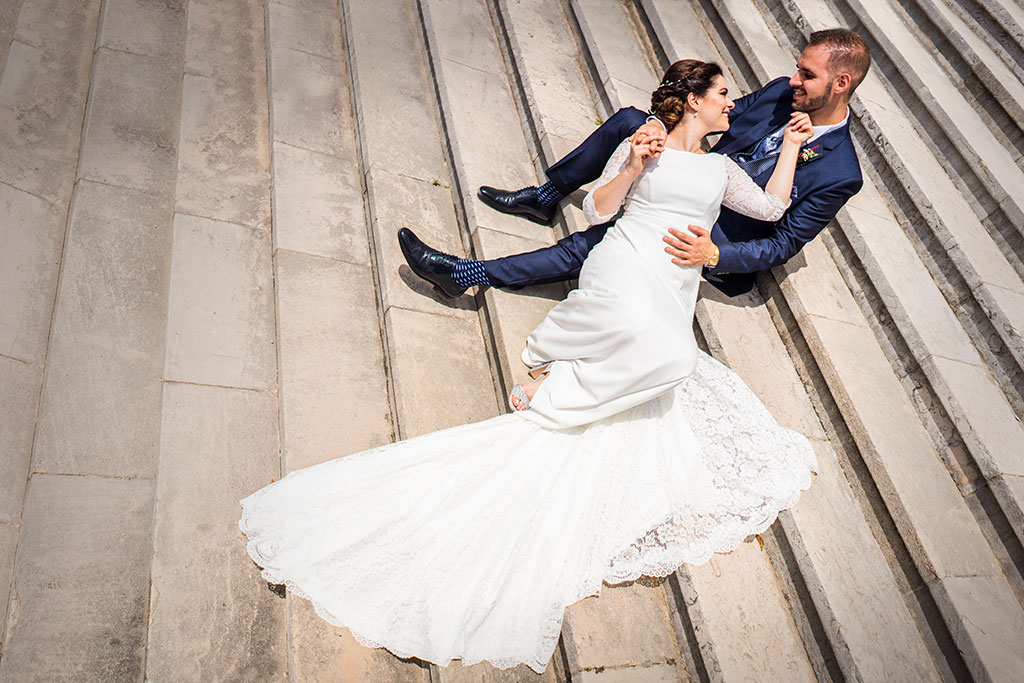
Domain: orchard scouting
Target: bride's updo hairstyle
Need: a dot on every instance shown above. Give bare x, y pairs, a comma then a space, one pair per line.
686, 76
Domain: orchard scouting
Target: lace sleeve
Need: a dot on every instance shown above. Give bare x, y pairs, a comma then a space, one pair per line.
744, 196
616, 163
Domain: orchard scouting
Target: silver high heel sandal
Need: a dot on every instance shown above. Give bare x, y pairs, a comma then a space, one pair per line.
520, 393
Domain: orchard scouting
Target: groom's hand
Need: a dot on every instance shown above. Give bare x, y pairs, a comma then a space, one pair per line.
693, 248
651, 133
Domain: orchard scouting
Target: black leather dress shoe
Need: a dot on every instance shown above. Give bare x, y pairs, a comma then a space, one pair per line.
521, 203
432, 265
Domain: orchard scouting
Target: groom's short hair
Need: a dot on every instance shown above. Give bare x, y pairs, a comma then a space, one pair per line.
848, 53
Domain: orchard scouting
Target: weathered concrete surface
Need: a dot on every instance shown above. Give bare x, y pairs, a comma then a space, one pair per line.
741, 614
334, 396
32, 232
220, 321
212, 617
144, 27
81, 582
131, 127
18, 402
8, 18
423, 396
100, 407
318, 205
627, 626
43, 93
319, 652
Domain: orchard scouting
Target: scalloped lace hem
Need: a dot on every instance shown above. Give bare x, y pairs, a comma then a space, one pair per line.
626, 565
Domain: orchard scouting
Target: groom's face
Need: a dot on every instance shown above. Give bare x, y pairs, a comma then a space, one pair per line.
812, 83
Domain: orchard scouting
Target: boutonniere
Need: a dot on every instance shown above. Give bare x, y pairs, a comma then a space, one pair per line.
808, 153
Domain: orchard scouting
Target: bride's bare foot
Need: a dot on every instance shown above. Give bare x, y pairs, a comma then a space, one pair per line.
530, 388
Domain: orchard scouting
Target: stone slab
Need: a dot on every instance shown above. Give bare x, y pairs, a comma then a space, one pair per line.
988, 625
927, 507
463, 32
32, 233
981, 413
220, 317
679, 31
480, 101
484, 672
616, 47
334, 394
627, 625
224, 149
18, 404
321, 653
658, 673
99, 412
554, 78
131, 125
8, 545
814, 286
400, 201
1010, 487
43, 94
386, 46
740, 610
311, 27
310, 101
911, 296
8, 20
858, 600
144, 27
429, 355
212, 616
80, 599
318, 205
226, 42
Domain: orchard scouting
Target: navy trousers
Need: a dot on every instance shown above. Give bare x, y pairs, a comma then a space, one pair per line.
563, 260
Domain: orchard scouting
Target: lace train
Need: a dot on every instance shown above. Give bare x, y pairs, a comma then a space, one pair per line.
470, 542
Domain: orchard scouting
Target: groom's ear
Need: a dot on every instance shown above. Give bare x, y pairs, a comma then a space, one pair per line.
841, 84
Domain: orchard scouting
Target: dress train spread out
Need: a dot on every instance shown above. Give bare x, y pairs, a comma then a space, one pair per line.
470, 542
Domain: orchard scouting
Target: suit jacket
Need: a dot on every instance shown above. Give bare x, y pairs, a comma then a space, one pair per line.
821, 185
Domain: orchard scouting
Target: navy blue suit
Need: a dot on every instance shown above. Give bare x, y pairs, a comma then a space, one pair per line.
821, 186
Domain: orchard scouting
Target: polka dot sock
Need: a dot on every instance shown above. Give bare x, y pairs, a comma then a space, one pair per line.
548, 195
469, 273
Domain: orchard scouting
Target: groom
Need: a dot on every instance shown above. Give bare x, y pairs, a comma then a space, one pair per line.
827, 174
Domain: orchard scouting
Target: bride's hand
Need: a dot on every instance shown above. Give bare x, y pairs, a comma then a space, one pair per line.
639, 152
799, 129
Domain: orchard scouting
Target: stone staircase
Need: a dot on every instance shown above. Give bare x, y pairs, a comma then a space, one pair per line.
201, 290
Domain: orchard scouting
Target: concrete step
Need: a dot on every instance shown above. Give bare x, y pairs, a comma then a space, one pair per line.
219, 433
999, 22
984, 169
993, 88
95, 342
952, 365
333, 387
833, 337
965, 266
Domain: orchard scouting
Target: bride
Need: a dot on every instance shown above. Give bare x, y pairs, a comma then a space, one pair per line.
630, 453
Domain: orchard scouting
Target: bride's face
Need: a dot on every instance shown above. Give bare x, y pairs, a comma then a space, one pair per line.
714, 107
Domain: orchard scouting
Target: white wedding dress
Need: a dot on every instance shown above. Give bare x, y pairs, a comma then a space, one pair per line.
639, 453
